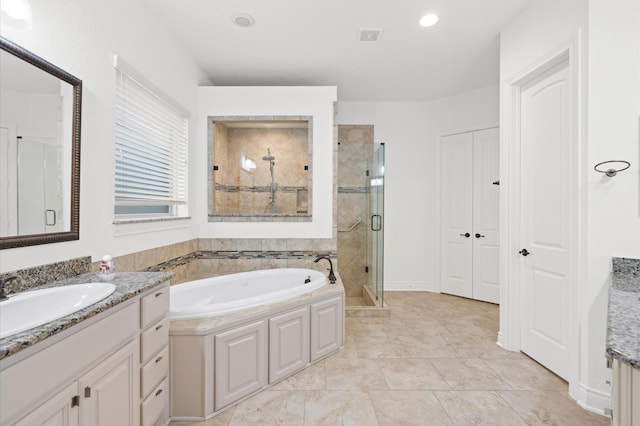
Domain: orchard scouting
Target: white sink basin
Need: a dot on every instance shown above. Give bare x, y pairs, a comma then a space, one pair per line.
33, 308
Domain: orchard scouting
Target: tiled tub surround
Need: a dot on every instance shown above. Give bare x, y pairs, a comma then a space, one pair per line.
128, 285
623, 324
255, 348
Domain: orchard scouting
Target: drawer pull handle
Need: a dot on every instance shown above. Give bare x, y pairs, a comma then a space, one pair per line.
158, 294
159, 359
159, 392
159, 327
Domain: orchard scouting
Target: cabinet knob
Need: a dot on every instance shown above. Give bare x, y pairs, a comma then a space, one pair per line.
466, 235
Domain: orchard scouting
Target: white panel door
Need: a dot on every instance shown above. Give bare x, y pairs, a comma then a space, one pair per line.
486, 229
456, 214
289, 343
546, 219
8, 180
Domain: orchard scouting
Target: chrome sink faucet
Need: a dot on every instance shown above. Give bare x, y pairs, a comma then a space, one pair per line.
3, 284
332, 276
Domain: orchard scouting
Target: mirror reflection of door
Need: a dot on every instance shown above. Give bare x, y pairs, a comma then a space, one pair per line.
33, 105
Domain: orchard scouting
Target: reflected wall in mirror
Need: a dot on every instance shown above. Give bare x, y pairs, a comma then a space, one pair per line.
40, 107
259, 168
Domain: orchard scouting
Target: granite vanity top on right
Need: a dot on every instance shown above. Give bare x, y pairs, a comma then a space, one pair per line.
623, 317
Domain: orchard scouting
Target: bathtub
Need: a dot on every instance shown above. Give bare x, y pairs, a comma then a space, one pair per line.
216, 296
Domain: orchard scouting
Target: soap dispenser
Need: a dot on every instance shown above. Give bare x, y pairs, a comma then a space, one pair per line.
107, 268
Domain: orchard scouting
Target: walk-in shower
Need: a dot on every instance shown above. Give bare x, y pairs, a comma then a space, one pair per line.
360, 215
273, 185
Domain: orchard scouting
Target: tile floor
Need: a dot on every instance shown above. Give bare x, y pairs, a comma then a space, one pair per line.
434, 361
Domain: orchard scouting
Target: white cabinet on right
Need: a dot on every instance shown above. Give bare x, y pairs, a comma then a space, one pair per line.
469, 215
625, 394
327, 328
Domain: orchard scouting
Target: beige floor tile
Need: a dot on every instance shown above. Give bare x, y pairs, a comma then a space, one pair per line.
221, 419
381, 347
330, 408
480, 346
469, 374
412, 374
417, 326
551, 408
311, 378
428, 347
354, 374
478, 408
408, 408
271, 407
526, 374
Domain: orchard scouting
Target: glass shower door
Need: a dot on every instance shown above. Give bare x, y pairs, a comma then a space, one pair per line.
376, 225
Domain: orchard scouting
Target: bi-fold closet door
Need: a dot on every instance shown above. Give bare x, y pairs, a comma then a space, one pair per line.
469, 215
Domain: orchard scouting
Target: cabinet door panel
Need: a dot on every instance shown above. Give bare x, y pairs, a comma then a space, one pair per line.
55, 412
107, 392
326, 327
288, 343
240, 362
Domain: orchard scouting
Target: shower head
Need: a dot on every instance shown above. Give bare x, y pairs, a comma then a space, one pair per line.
268, 157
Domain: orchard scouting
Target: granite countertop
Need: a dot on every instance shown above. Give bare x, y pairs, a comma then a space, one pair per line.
623, 318
128, 285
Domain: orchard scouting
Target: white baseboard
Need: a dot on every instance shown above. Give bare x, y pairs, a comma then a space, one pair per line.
408, 286
590, 399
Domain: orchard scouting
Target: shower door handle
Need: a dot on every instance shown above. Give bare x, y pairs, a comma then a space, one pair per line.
50, 217
377, 218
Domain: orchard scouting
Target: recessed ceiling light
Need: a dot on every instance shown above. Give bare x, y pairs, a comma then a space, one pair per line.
428, 20
243, 20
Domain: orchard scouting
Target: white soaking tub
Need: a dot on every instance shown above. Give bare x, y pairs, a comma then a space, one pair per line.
216, 296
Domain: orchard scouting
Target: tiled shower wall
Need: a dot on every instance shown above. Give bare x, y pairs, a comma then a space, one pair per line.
354, 152
238, 190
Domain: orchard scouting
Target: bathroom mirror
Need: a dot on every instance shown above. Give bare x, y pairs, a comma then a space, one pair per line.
40, 111
260, 168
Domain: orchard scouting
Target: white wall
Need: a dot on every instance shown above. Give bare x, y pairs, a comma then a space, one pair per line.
411, 132
317, 102
81, 38
609, 210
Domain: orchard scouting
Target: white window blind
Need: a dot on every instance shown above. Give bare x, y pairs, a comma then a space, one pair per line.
150, 150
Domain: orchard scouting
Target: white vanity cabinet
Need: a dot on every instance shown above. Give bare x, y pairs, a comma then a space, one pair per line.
240, 362
288, 343
625, 394
214, 366
154, 357
327, 328
91, 373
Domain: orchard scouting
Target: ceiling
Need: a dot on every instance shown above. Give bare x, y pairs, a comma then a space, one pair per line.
314, 42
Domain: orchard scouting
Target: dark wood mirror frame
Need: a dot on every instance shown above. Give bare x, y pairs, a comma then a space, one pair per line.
74, 220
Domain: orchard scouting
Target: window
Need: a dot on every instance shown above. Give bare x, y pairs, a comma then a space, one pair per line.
150, 150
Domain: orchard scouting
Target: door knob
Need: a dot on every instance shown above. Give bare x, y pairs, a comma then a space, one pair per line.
479, 236
524, 252
466, 234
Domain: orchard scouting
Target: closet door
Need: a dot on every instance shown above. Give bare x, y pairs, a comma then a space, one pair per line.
456, 215
486, 231
469, 215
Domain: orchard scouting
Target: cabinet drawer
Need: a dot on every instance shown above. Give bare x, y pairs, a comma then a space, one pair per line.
154, 405
154, 306
154, 371
154, 339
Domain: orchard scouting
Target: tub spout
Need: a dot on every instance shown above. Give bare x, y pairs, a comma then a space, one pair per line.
332, 276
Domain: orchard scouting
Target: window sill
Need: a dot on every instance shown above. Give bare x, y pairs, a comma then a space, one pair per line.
147, 225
